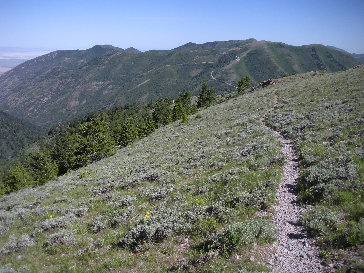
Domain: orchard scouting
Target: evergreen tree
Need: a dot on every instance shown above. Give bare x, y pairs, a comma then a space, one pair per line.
17, 178
244, 84
193, 109
162, 112
3, 189
64, 152
206, 97
185, 100
179, 112
150, 124
95, 141
128, 132
41, 167
146, 127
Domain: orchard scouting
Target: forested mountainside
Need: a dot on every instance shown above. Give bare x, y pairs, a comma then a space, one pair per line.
198, 195
64, 84
15, 135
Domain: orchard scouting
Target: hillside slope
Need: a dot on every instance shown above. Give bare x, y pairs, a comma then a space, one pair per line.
64, 84
15, 134
190, 197
158, 200
359, 57
323, 115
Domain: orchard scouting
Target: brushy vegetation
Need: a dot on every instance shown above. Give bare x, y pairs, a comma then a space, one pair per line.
186, 197
189, 196
84, 140
323, 113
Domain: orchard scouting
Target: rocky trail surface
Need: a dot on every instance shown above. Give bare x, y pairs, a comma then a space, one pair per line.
293, 251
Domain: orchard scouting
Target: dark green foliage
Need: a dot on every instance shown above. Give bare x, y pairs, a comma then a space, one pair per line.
17, 178
185, 100
207, 96
95, 141
244, 84
41, 167
64, 152
162, 112
15, 135
179, 113
146, 127
90, 141
89, 138
127, 133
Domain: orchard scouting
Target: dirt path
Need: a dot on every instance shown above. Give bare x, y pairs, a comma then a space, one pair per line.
293, 251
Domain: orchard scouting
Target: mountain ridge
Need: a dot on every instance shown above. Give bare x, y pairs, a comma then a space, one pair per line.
73, 82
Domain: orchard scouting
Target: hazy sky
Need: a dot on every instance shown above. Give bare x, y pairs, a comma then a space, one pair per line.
159, 24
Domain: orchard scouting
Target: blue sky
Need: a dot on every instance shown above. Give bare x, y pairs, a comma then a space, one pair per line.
157, 24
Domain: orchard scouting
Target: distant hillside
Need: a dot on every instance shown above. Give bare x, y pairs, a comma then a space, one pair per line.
7, 64
359, 57
64, 84
15, 134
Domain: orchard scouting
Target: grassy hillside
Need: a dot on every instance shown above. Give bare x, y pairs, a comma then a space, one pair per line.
190, 197
153, 206
70, 83
323, 114
15, 134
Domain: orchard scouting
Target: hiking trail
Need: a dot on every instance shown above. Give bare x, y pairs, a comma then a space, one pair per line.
293, 251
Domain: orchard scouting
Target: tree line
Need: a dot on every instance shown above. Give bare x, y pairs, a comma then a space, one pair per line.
82, 141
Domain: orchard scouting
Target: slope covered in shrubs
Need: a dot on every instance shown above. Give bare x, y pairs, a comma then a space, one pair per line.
190, 196
323, 113
175, 200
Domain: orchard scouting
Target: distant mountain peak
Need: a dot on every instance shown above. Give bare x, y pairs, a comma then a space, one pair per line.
215, 44
105, 49
132, 50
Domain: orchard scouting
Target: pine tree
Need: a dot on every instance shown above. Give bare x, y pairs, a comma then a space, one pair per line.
185, 100
162, 112
41, 167
128, 132
150, 124
94, 141
178, 112
206, 97
17, 178
64, 152
244, 84
146, 127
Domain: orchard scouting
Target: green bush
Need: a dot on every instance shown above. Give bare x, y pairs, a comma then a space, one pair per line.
242, 233
320, 221
17, 178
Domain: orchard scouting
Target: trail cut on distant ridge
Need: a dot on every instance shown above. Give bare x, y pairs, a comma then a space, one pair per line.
293, 251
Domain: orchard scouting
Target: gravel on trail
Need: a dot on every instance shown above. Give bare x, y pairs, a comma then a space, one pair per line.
293, 251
